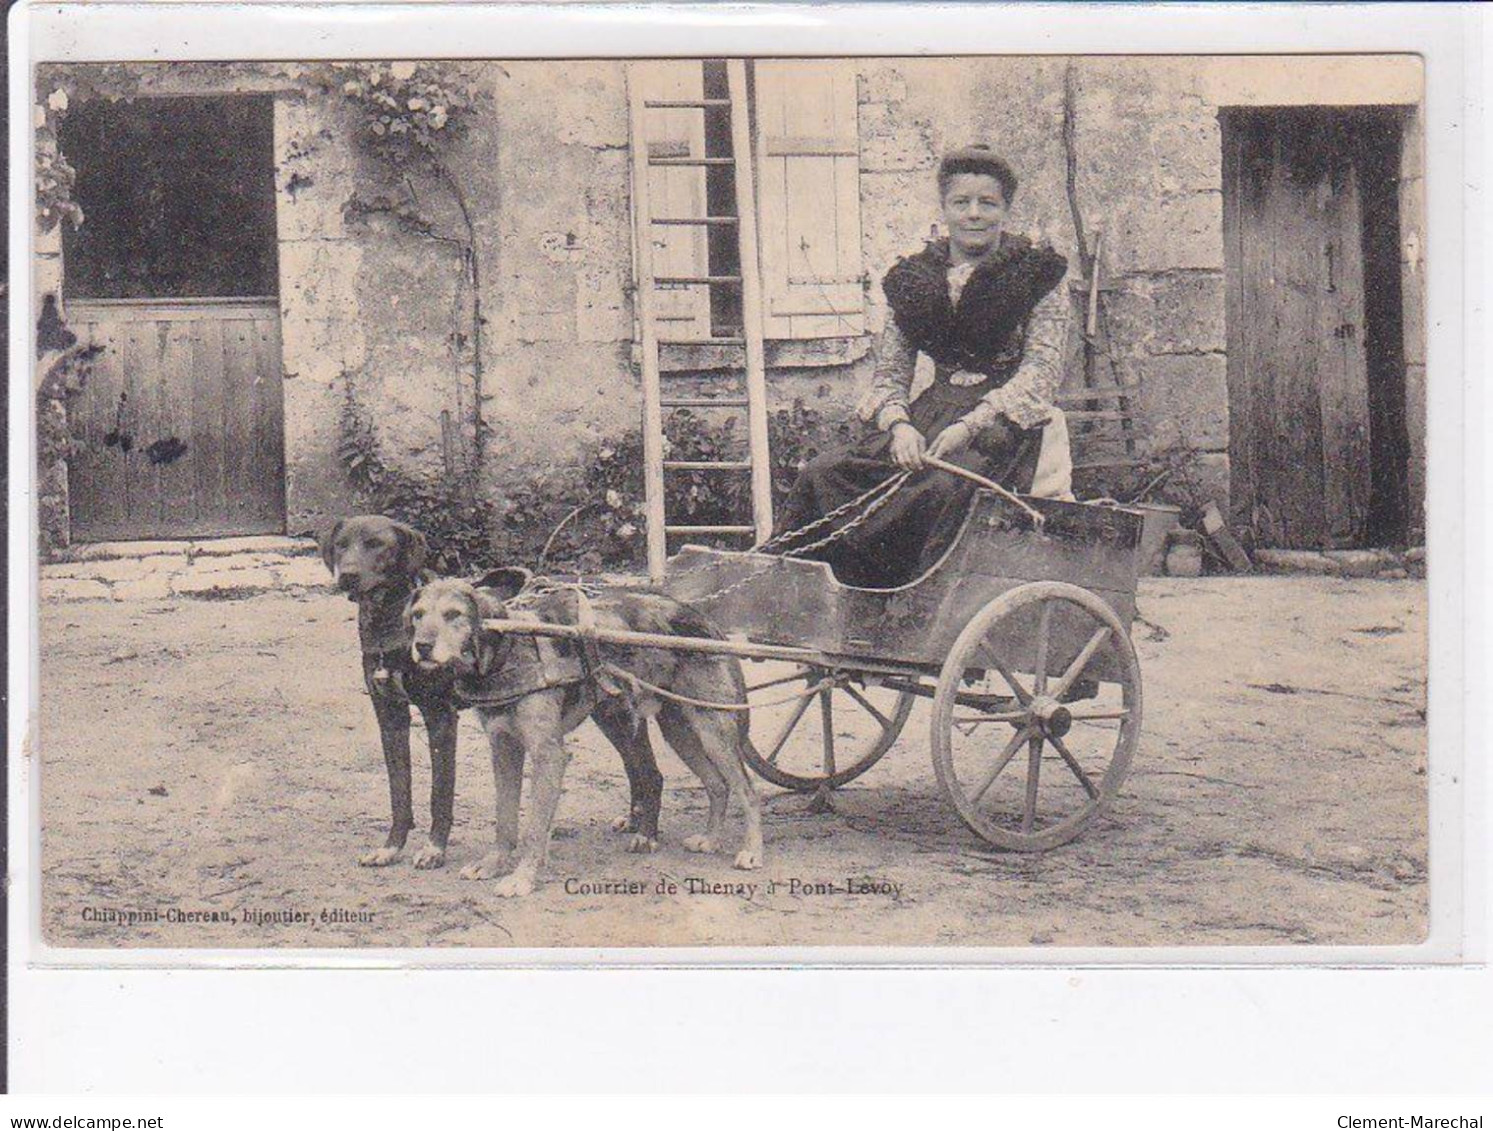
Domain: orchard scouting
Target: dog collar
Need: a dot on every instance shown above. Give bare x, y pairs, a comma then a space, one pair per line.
381, 627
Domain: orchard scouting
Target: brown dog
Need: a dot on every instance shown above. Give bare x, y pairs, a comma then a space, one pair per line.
377, 562
529, 693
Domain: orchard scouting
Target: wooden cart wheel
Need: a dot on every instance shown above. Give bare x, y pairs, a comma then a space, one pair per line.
825, 739
1023, 759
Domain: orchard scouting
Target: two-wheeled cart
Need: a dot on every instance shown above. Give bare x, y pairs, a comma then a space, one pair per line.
1019, 636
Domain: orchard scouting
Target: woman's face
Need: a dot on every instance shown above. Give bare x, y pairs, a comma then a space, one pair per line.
974, 208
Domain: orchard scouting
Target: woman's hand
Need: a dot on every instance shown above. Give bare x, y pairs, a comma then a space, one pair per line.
951, 441
908, 446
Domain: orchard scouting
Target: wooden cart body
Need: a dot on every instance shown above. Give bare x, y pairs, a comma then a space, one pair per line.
785, 601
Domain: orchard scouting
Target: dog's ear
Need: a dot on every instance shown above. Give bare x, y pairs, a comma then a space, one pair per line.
504, 584
409, 604
413, 550
487, 604
329, 545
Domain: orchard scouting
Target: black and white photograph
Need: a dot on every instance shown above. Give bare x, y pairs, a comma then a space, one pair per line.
923, 501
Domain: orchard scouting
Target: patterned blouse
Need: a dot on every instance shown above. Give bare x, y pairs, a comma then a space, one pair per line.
1025, 400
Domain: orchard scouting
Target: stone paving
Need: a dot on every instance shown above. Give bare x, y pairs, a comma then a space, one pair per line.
211, 569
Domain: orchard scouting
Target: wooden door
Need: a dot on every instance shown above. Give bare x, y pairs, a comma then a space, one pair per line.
180, 431
1298, 379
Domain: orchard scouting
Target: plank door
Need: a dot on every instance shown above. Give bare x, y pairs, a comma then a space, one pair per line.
1298, 378
179, 433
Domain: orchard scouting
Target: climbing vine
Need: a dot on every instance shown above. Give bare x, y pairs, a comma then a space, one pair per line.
409, 118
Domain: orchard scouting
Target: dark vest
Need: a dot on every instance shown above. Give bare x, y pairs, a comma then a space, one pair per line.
985, 332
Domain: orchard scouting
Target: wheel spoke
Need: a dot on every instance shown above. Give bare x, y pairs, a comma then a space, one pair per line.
763, 686
1006, 717
1081, 661
1022, 693
1033, 773
1079, 715
867, 704
1000, 764
782, 736
1078, 771
1044, 632
827, 718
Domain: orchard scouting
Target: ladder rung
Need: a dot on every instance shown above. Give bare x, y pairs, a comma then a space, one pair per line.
1128, 461
693, 342
732, 374
685, 103
710, 529
686, 161
695, 221
704, 402
1078, 396
663, 280
707, 465
1083, 416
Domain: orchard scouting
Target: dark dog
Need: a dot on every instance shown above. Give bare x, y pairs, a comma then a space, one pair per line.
377, 562
530, 693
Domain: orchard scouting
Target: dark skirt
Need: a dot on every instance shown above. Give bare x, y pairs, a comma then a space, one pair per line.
906, 537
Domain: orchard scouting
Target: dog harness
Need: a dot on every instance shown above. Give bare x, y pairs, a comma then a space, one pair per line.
524, 666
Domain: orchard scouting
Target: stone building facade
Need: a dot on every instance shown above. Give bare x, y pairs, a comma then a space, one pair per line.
376, 314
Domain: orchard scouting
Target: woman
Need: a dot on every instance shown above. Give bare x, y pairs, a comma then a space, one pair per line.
986, 306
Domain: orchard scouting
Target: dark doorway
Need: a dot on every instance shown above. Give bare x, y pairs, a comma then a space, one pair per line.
1318, 442
178, 198
173, 275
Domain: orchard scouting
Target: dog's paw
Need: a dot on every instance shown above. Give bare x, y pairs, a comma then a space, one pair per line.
642, 844
514, 884
380, 857
747, 860
624, 825
429, 856
699, 843
488, 868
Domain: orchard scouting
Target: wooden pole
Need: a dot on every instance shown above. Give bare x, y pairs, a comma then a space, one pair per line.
653, 421
752, 322
743, 649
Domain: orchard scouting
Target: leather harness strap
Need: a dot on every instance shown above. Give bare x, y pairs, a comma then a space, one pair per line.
533, 664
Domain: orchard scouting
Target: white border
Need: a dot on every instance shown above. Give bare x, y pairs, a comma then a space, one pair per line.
1450, 39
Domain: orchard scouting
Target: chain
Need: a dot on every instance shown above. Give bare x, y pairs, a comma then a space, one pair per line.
776, 540
538, 588
896, 484
881, 494
893, 482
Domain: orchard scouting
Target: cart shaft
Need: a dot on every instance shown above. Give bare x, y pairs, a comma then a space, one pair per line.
743, 649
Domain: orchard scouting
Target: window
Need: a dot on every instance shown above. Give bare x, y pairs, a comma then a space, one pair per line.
808, 198
806, 163
178, 199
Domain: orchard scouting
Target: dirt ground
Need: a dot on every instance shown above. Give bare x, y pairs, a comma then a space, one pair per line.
218, 759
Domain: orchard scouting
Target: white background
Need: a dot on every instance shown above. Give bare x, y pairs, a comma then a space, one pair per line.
1020, 1029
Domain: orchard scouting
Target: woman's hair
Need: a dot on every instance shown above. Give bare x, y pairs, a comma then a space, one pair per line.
976, 159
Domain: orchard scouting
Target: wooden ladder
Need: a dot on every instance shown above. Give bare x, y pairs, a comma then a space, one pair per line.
753, 374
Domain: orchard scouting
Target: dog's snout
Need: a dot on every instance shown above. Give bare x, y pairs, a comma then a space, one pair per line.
423, 649
347, 580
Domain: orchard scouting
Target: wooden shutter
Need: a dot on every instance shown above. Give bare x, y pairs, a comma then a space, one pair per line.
683, 311
808, 194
